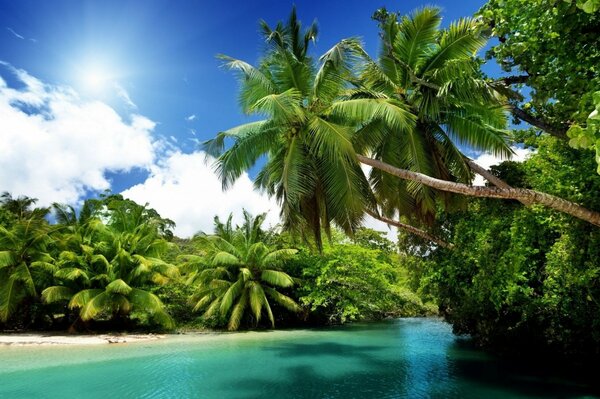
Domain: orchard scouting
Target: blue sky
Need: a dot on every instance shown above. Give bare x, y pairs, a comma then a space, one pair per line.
154, 61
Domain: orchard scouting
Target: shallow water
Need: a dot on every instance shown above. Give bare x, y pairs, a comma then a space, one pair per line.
407, 358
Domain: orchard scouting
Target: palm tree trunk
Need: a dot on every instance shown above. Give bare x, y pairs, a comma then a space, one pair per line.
487, 175
412, 230
519, 194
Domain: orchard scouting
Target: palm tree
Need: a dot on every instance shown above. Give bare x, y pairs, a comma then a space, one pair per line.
22, 207
311, 168
404, 117
25, 262
240, 275
104, 271
434, 72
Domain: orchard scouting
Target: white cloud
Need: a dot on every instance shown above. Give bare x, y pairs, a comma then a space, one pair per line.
55, 146
391, 232
487, 160
191, 117
15, 34
19, 36
124, 95
184, 188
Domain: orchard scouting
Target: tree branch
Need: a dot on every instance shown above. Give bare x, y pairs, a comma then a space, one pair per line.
412, 230
511, 80
539, 123
519, 194
487, 175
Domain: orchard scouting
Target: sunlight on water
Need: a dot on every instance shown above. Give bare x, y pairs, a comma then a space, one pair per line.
409, 358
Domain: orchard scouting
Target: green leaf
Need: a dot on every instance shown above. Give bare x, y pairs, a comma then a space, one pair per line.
277, 278
118, 287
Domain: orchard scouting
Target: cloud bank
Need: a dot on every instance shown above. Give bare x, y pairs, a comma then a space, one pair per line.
55, 146
184, 188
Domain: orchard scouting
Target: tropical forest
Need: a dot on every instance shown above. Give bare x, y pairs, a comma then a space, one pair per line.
396, 260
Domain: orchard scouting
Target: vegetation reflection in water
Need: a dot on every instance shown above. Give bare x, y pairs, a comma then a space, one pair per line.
396, 359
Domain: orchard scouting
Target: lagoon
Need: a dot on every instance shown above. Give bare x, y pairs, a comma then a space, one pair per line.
405, 358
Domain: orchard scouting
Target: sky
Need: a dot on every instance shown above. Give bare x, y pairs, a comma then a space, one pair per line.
117, 95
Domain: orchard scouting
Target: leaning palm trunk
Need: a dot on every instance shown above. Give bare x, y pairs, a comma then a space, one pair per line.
519, 194
412, 230
495, 180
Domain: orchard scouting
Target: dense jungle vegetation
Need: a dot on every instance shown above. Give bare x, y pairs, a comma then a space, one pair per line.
515, 263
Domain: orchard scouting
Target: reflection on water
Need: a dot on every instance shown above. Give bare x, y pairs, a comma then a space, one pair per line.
408, 358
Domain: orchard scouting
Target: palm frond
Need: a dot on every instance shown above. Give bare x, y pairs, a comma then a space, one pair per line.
277, 278
118, 287
97, 304
7, 258
230, 296
238, 312
257, 299
81, 298
283, 107
283, 300
224, 258
415, 39
57, 294
394, 113
11, 295
277, 257
463, 39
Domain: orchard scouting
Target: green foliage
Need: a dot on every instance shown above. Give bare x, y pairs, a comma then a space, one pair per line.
430, 77
589, 6
310, 163
239, 277
103, 270
527, 277
349, 282
372, 239
588, 137
555, 44
25, 260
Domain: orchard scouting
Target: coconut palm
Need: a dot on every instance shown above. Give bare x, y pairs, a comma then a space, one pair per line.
104, 272
22, 207
434, 74
406, 117
240, 276
310, 164
25, 262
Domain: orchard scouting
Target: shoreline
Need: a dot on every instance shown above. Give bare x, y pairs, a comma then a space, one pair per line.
26, 339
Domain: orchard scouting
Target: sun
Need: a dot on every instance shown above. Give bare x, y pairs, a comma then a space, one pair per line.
95, 79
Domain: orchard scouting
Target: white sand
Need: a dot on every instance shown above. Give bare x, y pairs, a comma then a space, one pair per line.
39, 339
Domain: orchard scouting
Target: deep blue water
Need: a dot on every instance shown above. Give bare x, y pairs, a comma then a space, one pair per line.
407, 358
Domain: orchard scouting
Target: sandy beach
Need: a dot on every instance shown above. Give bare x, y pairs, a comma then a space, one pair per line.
51, 339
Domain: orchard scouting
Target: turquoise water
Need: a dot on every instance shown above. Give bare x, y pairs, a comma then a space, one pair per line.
407, 358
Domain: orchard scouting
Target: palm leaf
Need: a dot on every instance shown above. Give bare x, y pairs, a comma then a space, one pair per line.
230, 295
57, 294
283, 300
223, 258
277, 278
275, 258
81, 298
7, 258
11, 294
463, 39
238, 312
118, 287
394, 113
257, 299
97, 304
